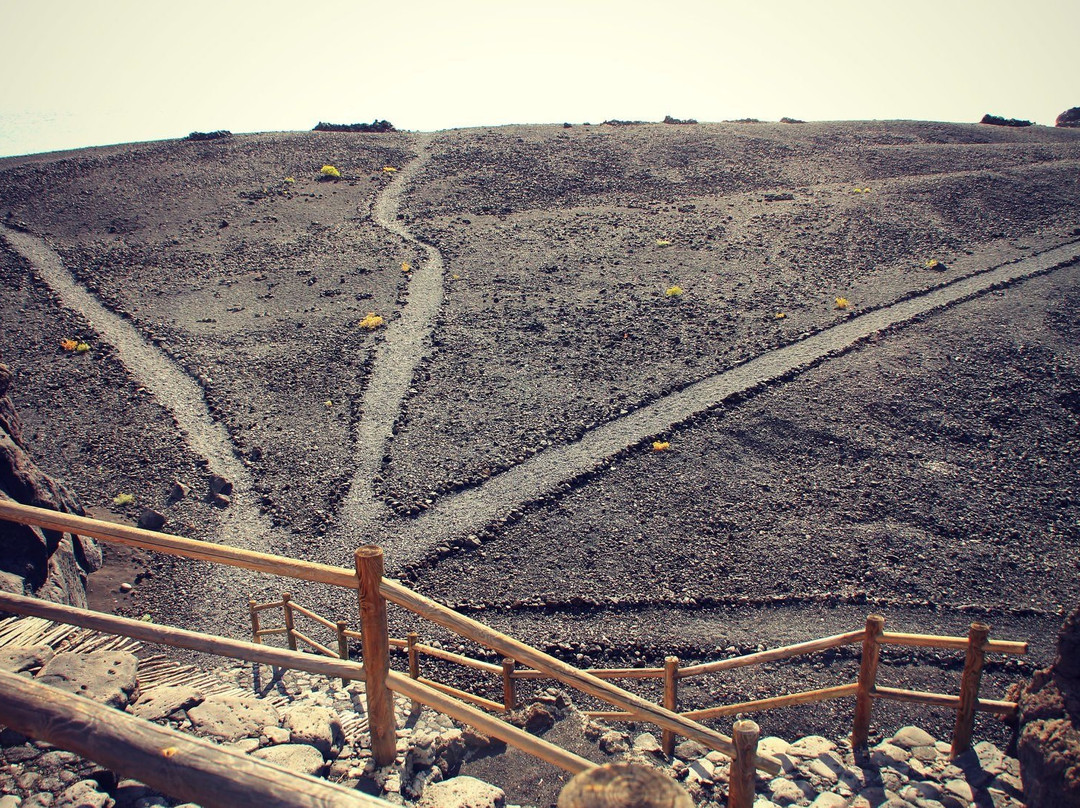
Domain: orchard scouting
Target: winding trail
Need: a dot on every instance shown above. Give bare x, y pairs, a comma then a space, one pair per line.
542, 474
242, 524
395, 362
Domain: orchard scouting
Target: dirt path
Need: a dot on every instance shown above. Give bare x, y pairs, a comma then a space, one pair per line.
395, 361
542, 474
242, 525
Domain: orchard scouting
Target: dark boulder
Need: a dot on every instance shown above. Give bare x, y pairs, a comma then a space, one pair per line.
1070, 117
1049, 742
44, 563
375, 126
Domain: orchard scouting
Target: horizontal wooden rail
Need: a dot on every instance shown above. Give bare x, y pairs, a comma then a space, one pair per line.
449, 656
599, 673
809, 647
181, 766
463, 695
643, 709
789, 700
994, 706
318, 646
174, 545
262, 607
953, 643
318, 618
391, 641
266, 632
282, 658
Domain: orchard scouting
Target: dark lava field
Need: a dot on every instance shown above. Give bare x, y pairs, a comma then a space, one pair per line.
560, 425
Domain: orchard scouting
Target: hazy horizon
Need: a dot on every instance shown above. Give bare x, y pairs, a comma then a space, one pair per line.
122, 71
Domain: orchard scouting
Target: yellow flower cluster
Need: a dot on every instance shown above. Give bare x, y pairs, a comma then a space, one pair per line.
842, 303
371, 321
330, 171
673, 291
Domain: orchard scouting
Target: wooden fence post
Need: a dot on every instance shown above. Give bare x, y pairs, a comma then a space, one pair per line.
745, 735
254, 622
969, 688
286, 608
509, 685
671, 700
375, 644
871, 652
343, 646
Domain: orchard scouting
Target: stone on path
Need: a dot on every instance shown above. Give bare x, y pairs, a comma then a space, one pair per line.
162, 702
911, 737
296, 757
24, 658
232, 717
108, 677
83, 794
316, 726
462, 792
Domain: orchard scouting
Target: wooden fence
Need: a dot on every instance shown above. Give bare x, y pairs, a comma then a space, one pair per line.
375, 590
865, 690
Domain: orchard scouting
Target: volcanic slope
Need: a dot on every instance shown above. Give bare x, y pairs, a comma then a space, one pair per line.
561, 250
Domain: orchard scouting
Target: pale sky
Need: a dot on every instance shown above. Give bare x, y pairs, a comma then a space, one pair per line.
92, 72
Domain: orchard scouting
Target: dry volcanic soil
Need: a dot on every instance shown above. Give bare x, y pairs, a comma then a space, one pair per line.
637, 390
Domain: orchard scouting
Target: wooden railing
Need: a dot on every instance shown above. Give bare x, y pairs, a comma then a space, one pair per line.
864, 690
375, 591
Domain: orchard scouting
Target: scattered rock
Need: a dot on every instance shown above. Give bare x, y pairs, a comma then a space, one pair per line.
220, 486
25, 658
108, 677
646, 743
232, 717
316, 726
84, 794
178, 492
163, 702
296, 757
462, 792
151, 520
910, 737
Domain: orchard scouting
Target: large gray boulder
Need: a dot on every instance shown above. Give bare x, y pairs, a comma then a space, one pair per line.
1049, 743
42, 563
296, 757
108, 677
316, 726
231, 718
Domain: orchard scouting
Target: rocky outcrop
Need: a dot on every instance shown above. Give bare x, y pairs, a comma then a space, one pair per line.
997, 120
1070, 117
1049, 744
43, 563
